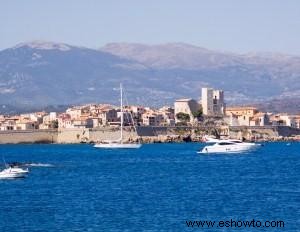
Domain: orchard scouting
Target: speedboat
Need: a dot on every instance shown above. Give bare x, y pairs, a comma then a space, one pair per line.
229, 146
13, 172
19, 170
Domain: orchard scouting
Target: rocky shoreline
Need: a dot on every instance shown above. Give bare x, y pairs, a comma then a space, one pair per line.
186, 139
148, 135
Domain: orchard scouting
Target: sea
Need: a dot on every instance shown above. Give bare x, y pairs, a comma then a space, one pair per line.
159, 187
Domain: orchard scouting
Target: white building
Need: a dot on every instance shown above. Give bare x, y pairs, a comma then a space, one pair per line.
52, 116
246, 116
108, 116
8, 125
127, 117
212, 102
74, 112
285, 120
26, 125
152, 119
187, 106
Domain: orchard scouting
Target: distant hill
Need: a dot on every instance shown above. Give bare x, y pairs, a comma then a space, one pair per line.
290, 105
38, 74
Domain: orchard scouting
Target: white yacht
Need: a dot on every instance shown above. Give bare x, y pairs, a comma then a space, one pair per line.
118, 144
229, 146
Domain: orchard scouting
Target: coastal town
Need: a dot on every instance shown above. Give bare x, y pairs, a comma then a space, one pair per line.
207, 113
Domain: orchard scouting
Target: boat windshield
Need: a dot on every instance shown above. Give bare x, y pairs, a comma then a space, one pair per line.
226, 143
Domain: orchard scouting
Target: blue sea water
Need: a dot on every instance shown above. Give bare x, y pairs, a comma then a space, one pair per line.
156, 188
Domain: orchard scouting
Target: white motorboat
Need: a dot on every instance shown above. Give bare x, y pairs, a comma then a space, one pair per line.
19, 170
13, 172
229, 146
118, 144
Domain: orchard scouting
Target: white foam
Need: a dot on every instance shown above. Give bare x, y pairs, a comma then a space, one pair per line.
38, 165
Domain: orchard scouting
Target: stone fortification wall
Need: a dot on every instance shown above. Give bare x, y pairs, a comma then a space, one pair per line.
79, 135
110, 134
147, 134
72, 135
28, 136
251, 133
91, 135
265, 132
286, 131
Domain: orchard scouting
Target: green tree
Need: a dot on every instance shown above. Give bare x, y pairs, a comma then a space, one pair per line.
183, 117
198, 113
54, 124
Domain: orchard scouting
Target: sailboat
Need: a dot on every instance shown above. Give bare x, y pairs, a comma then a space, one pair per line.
118, 144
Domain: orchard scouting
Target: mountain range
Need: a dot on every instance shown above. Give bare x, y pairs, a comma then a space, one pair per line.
38, 74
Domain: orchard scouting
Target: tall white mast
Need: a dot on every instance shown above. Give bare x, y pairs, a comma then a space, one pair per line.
121, 90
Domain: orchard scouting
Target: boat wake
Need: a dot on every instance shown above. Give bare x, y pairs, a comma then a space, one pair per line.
31, 164
38, 165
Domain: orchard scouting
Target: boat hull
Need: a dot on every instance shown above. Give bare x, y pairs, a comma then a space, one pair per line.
13, 172
118, 146
12, 175
228, 149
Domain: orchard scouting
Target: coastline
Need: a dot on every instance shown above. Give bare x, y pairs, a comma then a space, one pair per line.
148, 134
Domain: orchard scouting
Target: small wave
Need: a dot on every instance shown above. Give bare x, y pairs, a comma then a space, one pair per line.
35, 165
38, 165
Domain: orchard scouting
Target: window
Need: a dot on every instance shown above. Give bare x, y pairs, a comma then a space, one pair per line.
236, 141
225, 143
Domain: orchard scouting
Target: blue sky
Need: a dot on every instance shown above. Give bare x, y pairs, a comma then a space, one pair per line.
229, 25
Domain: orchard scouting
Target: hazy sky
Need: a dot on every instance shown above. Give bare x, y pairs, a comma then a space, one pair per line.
230, 25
